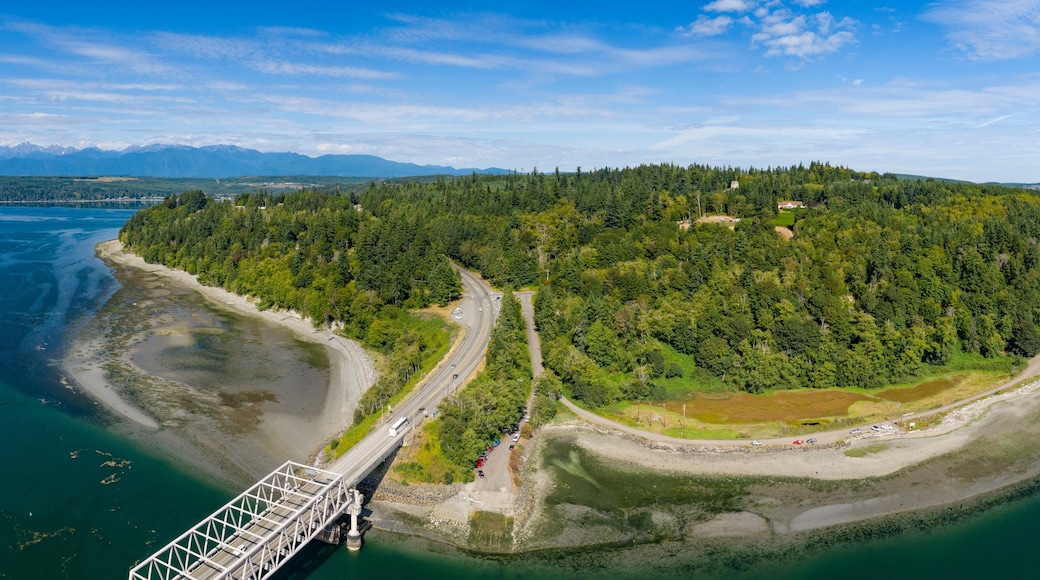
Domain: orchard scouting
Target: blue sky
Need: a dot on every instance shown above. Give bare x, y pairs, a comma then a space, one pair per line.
948, 89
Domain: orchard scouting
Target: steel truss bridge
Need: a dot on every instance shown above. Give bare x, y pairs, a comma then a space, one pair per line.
260, 530
265, 526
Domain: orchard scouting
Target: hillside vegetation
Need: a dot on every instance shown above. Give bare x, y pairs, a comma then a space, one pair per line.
884, 279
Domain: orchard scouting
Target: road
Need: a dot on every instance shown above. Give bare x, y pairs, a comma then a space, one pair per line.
479, 307
1031, 370
823, 438
497, 474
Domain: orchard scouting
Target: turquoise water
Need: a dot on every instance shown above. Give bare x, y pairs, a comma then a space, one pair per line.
78, 500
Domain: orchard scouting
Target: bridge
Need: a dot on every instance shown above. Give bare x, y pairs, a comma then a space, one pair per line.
261, 529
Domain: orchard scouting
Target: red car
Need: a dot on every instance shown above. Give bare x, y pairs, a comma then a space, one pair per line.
797, 442
480, 462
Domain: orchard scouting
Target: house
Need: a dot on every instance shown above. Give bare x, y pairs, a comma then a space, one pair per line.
789, 205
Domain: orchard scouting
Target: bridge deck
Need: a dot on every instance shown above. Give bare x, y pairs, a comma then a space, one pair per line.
258, 531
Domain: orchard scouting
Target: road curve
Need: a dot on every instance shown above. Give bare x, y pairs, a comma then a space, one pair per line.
479, 308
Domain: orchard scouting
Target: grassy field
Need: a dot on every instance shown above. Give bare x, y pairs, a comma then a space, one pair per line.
422, 460
434, 330
784, 219
712, 414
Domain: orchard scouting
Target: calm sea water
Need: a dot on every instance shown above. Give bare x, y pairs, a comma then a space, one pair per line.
78, 500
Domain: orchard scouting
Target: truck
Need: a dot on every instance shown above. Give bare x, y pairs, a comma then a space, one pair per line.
398, 426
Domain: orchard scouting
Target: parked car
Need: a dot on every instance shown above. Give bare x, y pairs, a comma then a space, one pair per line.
811, 440
797, 442
516, 437
480, 462
480, 472
856, 431
875, 428
756, 442
511, 447
887, 427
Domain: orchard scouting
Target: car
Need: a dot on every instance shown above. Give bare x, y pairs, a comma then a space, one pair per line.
511, 447
811, 440
797, 442
480, 462
856, 431
886, 427
516, 437
495, 443
454, 376
875, 428
480, 472
756, 442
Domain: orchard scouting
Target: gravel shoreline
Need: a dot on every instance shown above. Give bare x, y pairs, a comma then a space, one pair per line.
903, 473
281, 431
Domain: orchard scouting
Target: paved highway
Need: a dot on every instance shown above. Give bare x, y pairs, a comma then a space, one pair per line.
290, 511
479, 308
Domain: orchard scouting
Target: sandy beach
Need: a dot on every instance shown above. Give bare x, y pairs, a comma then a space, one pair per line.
253, 431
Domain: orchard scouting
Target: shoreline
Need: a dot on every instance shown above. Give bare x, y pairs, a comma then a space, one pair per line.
981, 452
940, 444
350, 370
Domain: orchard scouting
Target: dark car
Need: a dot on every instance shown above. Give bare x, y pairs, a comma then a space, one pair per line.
480, 472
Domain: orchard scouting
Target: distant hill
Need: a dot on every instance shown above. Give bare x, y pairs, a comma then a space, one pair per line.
216, 161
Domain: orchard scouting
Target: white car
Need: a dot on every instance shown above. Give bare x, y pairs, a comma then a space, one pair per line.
516, 437
856, 431
756, 442
887, 427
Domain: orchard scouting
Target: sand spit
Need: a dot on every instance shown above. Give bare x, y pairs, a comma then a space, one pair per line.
294, 432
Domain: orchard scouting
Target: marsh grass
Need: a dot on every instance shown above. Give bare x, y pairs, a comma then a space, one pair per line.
490, 532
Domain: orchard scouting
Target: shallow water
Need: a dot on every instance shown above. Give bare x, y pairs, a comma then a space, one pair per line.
80, 499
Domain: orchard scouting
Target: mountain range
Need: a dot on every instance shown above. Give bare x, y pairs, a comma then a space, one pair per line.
215, 161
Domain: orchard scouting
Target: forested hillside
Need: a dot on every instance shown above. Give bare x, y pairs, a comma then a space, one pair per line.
881, 280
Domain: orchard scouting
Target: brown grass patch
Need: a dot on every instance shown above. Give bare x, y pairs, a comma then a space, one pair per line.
442, 311
728, 221
785, 406
921, 391
784, 232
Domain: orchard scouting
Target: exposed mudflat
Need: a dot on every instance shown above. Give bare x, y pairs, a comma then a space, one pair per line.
213, 382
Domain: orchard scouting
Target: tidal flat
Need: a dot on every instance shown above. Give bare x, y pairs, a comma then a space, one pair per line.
231, 395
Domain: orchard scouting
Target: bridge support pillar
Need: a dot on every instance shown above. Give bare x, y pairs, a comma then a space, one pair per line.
354, 535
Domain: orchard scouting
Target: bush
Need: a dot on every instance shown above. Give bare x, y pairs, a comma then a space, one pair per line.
674, 370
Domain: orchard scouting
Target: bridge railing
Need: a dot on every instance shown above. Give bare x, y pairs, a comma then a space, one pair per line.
255, 533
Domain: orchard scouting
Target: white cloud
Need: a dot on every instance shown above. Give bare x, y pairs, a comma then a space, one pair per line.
785, 34
707, 26
780, 30
290, 68
989, 30
730, 6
